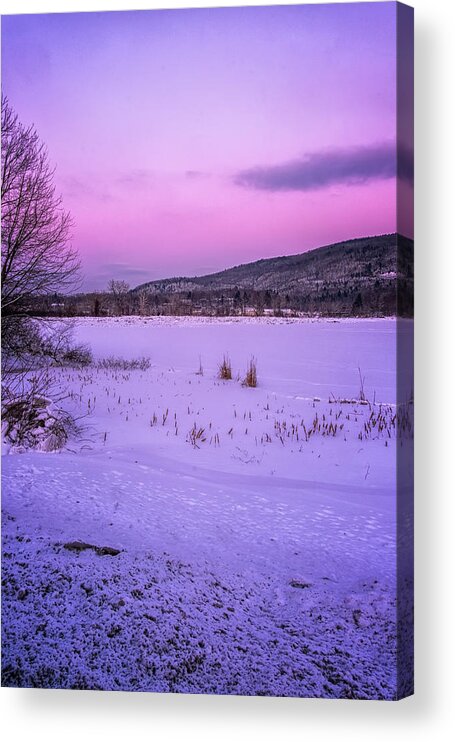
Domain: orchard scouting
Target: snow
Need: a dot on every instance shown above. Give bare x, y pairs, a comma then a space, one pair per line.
256, 562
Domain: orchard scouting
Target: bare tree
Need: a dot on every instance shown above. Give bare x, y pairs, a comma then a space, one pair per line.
143, 302
37, 256
119, 291
37, 260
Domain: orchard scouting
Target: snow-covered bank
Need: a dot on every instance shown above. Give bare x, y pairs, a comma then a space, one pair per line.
227, 589
262, 560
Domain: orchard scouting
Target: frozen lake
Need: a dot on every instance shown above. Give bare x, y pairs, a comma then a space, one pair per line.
299, 357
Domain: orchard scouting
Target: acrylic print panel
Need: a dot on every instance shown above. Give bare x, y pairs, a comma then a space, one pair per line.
207, 252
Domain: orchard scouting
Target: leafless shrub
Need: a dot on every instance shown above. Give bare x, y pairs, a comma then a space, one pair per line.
251, 377
78, 355
123, 364
21, 340
28, 343
225, 369
23, 385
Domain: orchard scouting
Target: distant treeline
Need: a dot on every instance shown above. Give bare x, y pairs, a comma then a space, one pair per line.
367, 277
386, 298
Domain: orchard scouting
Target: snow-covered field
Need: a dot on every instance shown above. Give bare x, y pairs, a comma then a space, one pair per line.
255, 526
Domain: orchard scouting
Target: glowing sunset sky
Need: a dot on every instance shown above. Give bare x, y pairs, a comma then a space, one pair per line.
189, 141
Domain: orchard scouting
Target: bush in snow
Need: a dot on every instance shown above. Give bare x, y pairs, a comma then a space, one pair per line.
34, 421
225, 369
251, 377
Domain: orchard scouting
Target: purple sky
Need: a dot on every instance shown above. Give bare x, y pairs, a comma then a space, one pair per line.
189, 141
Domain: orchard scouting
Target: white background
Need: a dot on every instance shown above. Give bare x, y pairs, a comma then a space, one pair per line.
86, 716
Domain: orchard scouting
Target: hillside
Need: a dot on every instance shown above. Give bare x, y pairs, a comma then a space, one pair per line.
357, 277
367, 277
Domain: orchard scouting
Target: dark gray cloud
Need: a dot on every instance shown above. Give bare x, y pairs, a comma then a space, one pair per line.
331, 167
